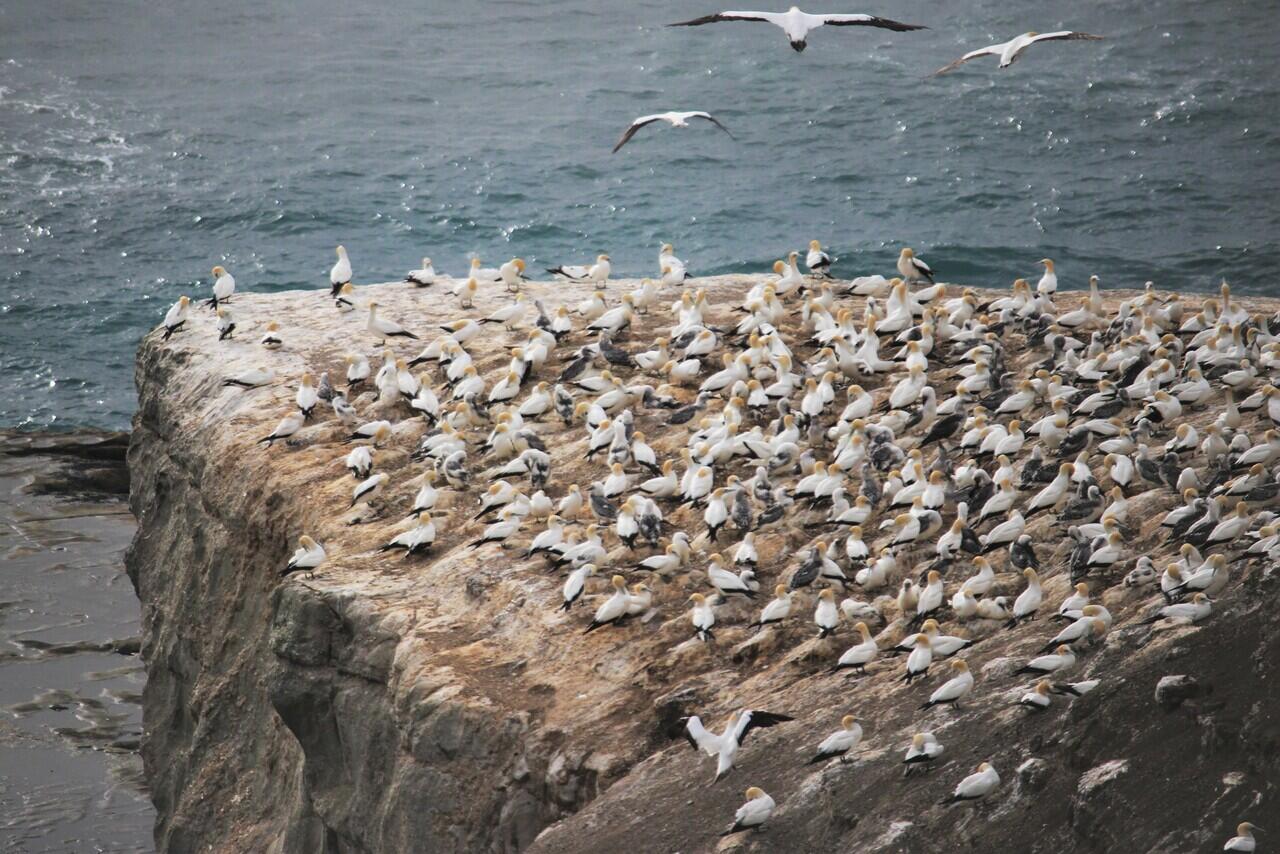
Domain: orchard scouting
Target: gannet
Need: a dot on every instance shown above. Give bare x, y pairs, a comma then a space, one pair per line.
422, 277
778, 608
725, 745
416, 539
512, 274
1189, 612
575, 584
1037, 699
703, 617
1061, 659
345, 300
306, 398
797, 24
340, 273
827, 614
614, 609
841, 742
977, 785
226, 323
912, 268
1243, 841
1010, 51
818, 261
597, 273
953, 689
224, 285
369, 488
381, 328
1048, 284
675, 119
308, 557
288, 425
176, 316
924, 748
359, 461
251, 378
754, 813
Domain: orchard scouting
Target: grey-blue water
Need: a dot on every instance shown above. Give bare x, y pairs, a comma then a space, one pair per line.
141, 143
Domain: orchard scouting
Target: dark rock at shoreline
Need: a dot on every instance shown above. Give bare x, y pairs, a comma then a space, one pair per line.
87, 463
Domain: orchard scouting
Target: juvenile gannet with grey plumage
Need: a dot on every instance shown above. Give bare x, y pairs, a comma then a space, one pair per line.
797, 24
1010, 51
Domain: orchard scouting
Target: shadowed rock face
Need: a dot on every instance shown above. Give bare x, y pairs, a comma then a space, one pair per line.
443, 703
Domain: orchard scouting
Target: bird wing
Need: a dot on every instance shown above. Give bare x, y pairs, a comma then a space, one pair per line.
867, 21
991, 50
698, 736
635, 126
1064, 35
767, 17
713, 120
754, 719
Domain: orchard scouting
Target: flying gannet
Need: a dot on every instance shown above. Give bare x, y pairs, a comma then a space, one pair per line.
673, 118
1010, 51
797, 24
725, 745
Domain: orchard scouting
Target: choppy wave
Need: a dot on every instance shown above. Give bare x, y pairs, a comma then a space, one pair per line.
255, 139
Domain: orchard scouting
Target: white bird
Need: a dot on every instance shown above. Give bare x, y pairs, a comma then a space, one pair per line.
176, 316
382, 329
778, 608
1010, 51
340, 272
288, 425
979, 784
724, 746
369, 488
613, 609
675, 119
308, 557
251, 378
953, 689
575, 584
1243, 841
925, 747
753, 813
224, 285
797, 24
841, 742
422, 277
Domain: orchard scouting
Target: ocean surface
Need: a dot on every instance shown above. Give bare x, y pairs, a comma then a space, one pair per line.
141, 143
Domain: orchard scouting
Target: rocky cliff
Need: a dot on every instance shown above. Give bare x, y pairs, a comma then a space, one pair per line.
446, 704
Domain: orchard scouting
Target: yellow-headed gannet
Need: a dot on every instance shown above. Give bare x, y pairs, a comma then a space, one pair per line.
912, 268
417, 539
307, 398
725, 745
271, 337
1062, 658
597, 273
977, 785
226, 323
1243, 841
1010, 51
575, 584
703, 617
345, 301
924, 748
754, 813
953, 689
307, 558
224, 285
797, 24
673, 118
1037, 699
841, 742
176, 316
613, 609
422, 277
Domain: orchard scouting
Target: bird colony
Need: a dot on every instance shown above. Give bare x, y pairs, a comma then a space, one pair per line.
889, 471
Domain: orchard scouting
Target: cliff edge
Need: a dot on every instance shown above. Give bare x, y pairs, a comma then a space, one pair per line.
445, 703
